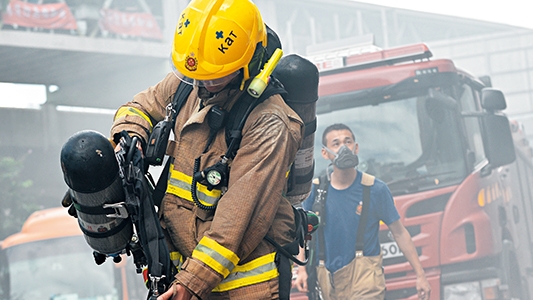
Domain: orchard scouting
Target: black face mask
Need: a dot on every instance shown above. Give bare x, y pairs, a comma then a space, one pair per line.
344, 158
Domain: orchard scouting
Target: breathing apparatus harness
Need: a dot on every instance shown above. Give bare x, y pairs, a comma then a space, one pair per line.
149, 246
216, 176
136, 197
110, 195
262, 87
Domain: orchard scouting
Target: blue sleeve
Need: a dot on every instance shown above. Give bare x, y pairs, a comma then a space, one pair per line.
307, 204
387, 212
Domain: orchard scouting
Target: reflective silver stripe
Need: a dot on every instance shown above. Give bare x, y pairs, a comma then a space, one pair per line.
180, 184
176, 184
224, 262
257, 271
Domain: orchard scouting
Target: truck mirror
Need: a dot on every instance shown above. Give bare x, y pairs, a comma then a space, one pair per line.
493, 99
487, 81
497, 140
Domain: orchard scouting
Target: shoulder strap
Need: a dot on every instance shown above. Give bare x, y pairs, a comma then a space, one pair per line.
319, 207
240, 112
138, 201
179, 99
367, 181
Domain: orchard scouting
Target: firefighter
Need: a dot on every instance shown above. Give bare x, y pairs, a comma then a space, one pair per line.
216, 225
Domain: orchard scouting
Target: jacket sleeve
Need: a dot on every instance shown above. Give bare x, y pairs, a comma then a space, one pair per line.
139, 116
247, 210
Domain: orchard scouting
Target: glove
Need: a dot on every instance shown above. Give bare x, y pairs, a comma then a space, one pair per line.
68, 202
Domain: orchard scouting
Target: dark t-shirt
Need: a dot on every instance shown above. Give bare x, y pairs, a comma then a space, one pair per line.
343, 209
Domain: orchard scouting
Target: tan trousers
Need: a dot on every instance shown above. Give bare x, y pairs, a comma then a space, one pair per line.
362, 278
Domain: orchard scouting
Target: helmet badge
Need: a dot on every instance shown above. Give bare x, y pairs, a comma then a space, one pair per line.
191, 63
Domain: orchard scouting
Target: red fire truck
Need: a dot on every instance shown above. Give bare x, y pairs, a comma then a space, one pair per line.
437, 136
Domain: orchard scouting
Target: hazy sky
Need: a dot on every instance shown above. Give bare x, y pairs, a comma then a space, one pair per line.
510, 12
22, 95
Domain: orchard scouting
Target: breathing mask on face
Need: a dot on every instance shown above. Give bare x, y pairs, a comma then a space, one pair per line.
344, 158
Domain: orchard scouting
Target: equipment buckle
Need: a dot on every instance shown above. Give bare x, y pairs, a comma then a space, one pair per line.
154, 283
120, 210
359, 253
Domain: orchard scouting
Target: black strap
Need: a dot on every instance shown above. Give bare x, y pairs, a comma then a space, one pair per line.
293, 248
105, 234
306, 177
360, 239
310, 128
140, 206
179, 99
285, 275
240, 112
236, 119
319, 207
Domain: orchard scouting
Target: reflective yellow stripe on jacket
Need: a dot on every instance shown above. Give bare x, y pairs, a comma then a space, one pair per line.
219, 258
179, 184
177, 259
258, 270
224, 261
132, 111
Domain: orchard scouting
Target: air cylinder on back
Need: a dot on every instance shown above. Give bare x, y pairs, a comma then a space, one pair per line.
91, 171
300, 79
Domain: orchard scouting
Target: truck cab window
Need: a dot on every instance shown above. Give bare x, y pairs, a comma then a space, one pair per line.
410, 143
468, 102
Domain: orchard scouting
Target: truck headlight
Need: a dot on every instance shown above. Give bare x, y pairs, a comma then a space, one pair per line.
476, 290
465, 290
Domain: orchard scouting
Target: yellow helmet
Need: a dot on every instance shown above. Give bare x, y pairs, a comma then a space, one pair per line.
218, 38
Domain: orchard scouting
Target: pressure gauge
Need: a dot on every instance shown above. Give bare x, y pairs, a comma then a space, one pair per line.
214, 177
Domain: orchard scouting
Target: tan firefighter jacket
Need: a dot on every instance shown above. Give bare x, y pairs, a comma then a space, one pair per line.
224, 250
